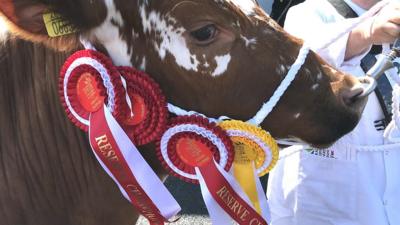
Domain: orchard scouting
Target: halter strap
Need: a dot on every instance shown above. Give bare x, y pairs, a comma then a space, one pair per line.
268, 106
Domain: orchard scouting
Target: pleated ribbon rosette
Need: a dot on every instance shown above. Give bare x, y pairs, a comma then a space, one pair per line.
256, 153
121, 107
198, 151
105, 100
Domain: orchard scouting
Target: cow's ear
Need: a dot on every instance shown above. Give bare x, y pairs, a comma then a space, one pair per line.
24, 19
25, 15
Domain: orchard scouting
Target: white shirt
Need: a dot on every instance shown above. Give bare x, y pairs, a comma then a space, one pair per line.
356, 8
360, 184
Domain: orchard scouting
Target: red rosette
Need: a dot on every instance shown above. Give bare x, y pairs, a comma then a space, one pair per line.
190, 142
149, 107
89, 79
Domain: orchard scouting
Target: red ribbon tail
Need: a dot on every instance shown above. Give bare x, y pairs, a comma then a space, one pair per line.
226, 196
105, 147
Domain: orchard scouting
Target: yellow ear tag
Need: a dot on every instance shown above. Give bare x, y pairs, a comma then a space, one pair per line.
56, 26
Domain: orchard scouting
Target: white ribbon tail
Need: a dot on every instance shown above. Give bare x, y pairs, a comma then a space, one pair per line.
262, 197
145, 176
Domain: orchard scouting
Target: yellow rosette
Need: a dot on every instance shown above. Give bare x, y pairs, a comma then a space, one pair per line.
256, 153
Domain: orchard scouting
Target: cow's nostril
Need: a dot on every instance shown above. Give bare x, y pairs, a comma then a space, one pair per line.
350, 96
364, 87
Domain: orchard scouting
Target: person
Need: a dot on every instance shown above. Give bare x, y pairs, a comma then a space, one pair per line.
357, 180
280, 7
277, 9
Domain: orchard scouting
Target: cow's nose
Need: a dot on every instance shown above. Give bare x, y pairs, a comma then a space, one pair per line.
351, 95
362, 87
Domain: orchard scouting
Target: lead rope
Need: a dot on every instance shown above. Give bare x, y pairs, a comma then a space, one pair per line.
392, 132
357, 21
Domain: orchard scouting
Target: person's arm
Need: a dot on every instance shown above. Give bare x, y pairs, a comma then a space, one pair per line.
382, 28
358, 42
316, 24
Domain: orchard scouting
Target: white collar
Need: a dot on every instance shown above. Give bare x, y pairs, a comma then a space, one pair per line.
356, 8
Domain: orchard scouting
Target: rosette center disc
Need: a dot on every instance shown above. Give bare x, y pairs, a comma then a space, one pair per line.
244, 152
193, 152
89, 94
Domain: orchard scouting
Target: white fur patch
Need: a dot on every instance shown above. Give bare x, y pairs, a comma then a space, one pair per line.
319, 76
172, 40
249, 41
143, 64
308, 72
315, 87
247, 6
280, 70
222, 64
108, 34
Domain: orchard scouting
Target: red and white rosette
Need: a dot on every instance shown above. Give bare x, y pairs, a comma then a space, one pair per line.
185, 132
87, 80
148, 118
95, 100
198, 151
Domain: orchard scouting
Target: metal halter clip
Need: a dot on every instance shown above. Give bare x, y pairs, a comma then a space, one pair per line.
383, 63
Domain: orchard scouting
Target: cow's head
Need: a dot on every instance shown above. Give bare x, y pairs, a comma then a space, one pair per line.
217, 57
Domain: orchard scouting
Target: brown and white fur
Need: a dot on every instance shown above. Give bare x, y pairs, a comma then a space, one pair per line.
48, 175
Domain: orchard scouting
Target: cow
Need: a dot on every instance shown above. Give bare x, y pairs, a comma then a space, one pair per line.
216, 57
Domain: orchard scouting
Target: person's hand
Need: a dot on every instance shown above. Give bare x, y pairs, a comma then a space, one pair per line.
385, 26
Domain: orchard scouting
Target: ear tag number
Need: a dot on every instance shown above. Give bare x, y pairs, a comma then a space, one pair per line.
56, 26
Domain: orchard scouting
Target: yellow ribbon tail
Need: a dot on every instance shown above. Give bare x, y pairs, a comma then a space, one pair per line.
245, 175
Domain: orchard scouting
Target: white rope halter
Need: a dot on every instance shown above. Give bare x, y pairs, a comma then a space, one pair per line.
268, 106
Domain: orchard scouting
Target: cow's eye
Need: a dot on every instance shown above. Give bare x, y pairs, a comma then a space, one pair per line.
204, 35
